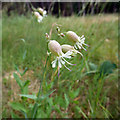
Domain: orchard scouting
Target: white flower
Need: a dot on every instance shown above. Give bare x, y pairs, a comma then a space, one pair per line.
38, 16
79, 41
55, 49
42, 12
66, 48
40, 19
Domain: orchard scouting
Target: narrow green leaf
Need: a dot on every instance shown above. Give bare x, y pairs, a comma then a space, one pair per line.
16, 68
26, 83
24, 55
19, 82
80, 110
105, 110
25, 87
34, 111
34, 97
24, 71
23, 40
26, 118
45, 96
90, 72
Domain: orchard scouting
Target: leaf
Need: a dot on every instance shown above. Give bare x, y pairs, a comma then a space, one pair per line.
56, 107
92, 66
74, 94
16, 68
90, 72
80, 110
66, 100
19, 82
106, 111
17, 106
34, 97
107, 68
25, 87
26, 118
23, 40
45, 96
24, 71
26, 83
25, 90
24, 55
34, 110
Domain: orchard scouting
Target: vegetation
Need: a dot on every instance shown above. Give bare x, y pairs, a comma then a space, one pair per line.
90, 90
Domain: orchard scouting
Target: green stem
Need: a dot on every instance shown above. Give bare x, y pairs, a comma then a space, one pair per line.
40, 90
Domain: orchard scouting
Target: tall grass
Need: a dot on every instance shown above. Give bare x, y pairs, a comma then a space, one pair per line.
78, 94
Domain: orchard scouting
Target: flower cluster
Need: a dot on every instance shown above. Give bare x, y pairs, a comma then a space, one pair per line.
65, 51
40, 14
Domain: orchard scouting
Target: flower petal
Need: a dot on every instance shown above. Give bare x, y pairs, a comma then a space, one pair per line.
62, 61
78, 45
67, 61
68, 54
75, 46
67, 67
80, 53
59, 63
54, 63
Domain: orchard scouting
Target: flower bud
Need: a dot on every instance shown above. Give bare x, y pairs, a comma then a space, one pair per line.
66, 48
47, 36
62, 34
58, 29
42, 12
72, 36
55, 47
37, 15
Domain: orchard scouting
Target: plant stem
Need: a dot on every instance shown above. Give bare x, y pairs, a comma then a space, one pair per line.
40, 90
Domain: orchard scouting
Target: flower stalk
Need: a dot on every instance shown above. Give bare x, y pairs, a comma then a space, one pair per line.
40, 91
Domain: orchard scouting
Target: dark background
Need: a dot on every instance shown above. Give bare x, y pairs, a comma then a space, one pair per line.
62, 8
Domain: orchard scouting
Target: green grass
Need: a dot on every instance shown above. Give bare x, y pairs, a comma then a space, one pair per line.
77, 94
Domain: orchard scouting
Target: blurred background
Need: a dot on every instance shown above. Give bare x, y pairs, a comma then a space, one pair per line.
62, 8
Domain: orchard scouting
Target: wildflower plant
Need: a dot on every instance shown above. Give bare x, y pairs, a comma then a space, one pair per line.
60, 52
73, 95
39, 14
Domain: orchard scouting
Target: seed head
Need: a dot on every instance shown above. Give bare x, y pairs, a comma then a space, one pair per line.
72, 36
55, 47
66, 48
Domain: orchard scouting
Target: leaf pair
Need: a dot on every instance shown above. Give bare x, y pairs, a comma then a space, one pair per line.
34, 97
16, 68
22, 85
